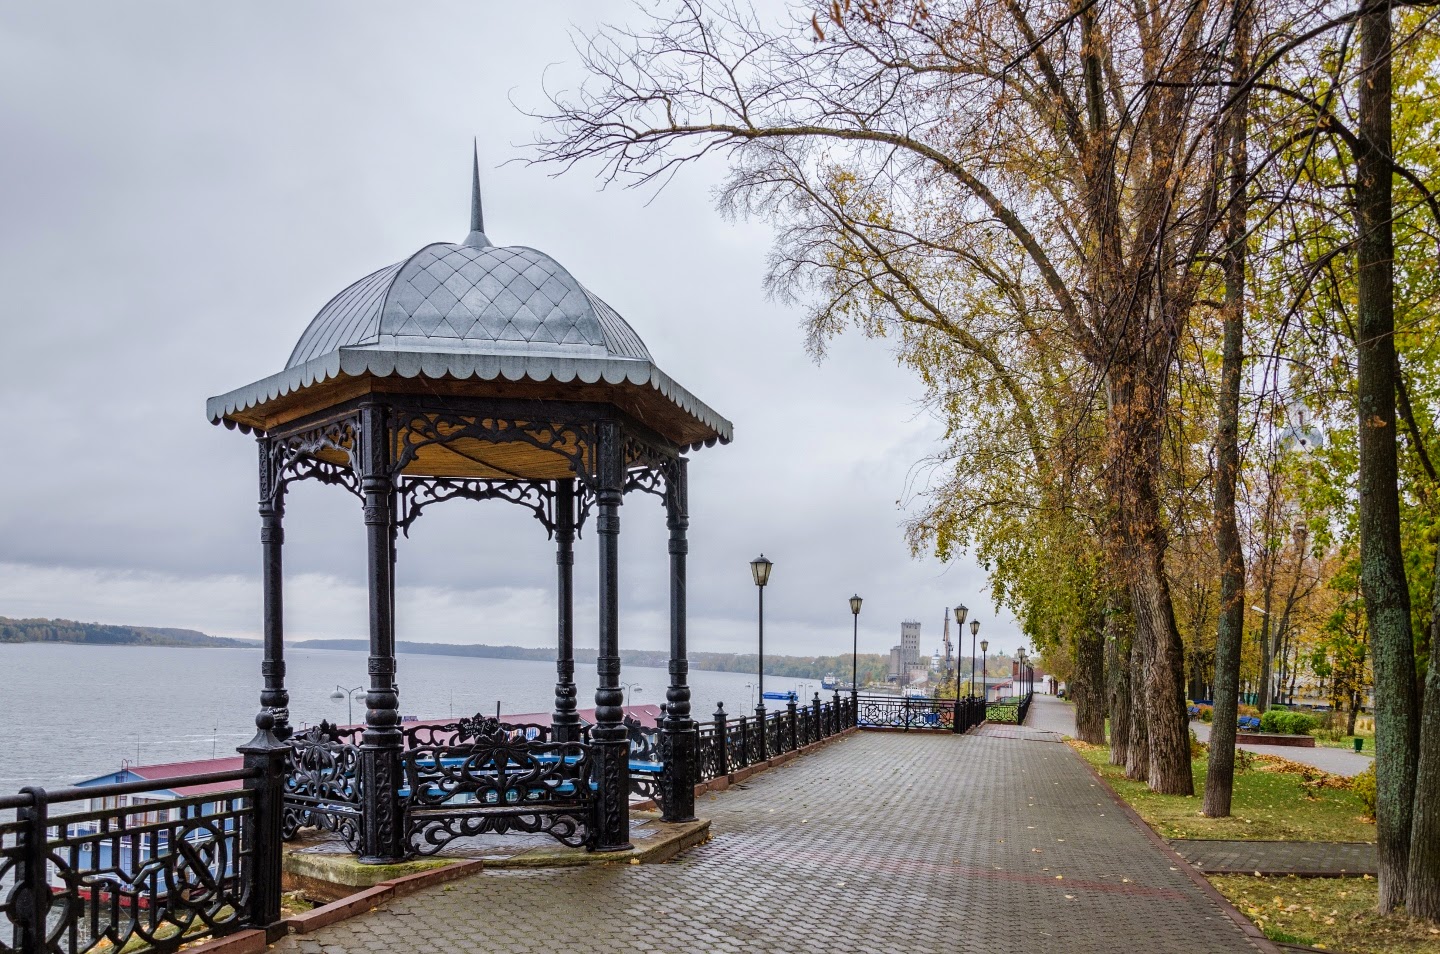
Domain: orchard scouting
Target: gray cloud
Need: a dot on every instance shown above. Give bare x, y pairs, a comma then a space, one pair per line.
185, 185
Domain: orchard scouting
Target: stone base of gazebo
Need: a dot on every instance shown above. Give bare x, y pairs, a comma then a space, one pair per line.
322, 868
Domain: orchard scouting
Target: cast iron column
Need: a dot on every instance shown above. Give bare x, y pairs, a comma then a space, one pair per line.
383, 834
680, 738
565, 722
268, 757
273, 696
610, 740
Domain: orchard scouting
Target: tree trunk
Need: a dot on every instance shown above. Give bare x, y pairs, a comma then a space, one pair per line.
1168, 731
1117, 672
1262, 695
1137, 754
1382, 570
1090, 680
1230, 630
1136, 385
1423, 889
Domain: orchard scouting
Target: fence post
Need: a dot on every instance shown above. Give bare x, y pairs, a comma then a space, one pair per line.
32, 898
905, 711
790, 714
267, 757
744, 741
722, 753
762, 737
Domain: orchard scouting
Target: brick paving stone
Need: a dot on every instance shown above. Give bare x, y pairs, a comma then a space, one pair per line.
881, 842
1279, 857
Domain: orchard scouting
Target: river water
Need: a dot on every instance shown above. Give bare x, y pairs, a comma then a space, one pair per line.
74, 712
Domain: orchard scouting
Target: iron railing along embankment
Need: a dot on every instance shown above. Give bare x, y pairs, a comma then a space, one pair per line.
148, 875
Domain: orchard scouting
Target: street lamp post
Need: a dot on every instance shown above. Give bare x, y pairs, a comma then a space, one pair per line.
961, 612
985, 665
974, 631
760, 570
349, 696
628, 687
855, 602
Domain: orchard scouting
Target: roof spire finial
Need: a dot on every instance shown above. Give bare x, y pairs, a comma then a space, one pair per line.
476, 238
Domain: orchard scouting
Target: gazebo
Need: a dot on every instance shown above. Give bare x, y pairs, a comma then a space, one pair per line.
482, 372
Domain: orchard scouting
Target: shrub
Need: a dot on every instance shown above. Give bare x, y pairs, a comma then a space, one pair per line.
1286, 722
1363, 785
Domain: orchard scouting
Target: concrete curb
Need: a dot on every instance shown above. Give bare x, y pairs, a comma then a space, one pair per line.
251, 941
1256, 936
370, 898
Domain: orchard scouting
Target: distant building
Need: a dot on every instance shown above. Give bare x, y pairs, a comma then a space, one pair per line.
905, 658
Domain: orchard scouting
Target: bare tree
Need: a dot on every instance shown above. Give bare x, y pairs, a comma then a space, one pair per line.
1019, 177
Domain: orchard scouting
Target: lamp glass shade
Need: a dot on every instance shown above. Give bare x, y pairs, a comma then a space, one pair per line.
984, 645
855, 602
337, 695
974, 626
760, 569
961, 612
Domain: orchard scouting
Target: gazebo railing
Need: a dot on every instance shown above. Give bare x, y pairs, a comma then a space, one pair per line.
322, 786
460, 779
497, 784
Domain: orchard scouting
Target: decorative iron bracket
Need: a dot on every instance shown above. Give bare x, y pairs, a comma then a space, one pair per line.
294, 457
417, 493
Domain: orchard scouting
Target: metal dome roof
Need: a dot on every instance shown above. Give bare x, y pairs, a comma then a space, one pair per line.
473, 298
474, 314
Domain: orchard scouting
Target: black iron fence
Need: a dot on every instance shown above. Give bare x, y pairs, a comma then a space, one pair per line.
726, 744
917, 713
1011, 710
96, 869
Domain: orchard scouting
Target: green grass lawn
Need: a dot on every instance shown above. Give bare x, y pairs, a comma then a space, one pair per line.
1333, 913
1347, 742
1267, 805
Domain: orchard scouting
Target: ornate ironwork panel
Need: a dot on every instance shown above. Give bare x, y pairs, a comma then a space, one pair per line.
777, 733
298, 455
906, 712
479, 775
322, 786
476, 728
1011, 710
496, 784
708, 745
417, 493
154, 875
737, 751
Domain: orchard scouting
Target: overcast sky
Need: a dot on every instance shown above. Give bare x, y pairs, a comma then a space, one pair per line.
184, 185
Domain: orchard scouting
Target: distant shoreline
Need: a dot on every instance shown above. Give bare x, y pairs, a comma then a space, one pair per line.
798, 667
70, 632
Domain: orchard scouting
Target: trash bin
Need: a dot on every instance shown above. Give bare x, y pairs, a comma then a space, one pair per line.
1359, 743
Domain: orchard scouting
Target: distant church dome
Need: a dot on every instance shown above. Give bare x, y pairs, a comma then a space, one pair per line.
472, 298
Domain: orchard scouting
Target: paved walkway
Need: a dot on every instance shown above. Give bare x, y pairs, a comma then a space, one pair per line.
881, 842
1055, 715
1334, 761
1314, 858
